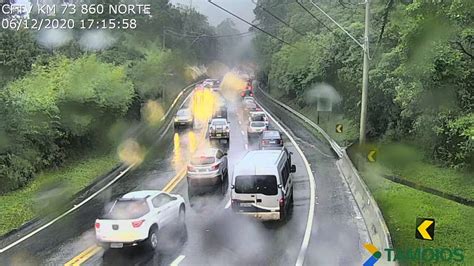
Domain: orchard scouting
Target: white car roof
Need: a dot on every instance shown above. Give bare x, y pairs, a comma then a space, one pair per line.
141, 194
218, 120
258, 162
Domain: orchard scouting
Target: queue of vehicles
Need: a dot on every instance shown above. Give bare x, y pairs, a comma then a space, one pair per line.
261, 183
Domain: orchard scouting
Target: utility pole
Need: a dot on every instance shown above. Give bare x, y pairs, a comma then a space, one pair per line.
365, 70
365, 76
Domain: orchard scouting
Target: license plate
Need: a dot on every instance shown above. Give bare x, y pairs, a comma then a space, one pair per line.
218, 135
272, 141
245, 204
183, 123
116, 245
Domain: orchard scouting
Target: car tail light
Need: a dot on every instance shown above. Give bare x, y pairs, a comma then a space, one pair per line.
264, 141
282, 202
136, 224
190, 168
97, 225
214, 166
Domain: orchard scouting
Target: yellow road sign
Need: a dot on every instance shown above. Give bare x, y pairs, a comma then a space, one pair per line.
372, 156
339, 128
425, 228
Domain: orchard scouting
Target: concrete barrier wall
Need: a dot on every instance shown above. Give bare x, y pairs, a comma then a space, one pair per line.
376, 227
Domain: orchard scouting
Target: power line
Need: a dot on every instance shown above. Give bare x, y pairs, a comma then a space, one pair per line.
277, 18
209, 36
250, 24
309, 12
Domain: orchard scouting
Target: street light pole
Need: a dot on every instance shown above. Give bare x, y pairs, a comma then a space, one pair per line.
365, 70
365, 77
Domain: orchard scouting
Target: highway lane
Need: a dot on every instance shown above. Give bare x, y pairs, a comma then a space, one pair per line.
339, 231
215, 236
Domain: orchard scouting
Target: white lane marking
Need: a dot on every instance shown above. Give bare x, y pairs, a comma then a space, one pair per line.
227, 205
246, 146
67, 212
77, 206
312, 186
177, 260
243, 133
240, 123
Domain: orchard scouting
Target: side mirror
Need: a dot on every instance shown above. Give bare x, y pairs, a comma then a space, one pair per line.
225, 153
293, 168
232, 186
291, 152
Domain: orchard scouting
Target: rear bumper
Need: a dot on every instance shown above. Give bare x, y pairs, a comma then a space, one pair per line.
224, 135
130, 240
263, 216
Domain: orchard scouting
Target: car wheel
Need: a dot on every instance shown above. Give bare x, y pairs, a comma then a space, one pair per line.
152, 240
223, 185
283, 214
190, 192
182, 215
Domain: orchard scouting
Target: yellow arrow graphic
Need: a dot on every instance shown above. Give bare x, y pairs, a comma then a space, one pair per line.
339, 128
422, 229
371, 156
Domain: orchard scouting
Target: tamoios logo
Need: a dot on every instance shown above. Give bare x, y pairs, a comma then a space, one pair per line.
375, 254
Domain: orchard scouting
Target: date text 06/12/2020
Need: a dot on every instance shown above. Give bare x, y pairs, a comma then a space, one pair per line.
66, 24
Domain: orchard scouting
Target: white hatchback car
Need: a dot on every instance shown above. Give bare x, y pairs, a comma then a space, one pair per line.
137, 217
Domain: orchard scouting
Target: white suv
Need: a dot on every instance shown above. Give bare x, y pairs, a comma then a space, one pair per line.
137, 217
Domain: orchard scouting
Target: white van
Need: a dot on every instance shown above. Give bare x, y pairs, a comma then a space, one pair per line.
262, 184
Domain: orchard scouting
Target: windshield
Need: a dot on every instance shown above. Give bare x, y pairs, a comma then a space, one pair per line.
127, 209
257, 124
256, 184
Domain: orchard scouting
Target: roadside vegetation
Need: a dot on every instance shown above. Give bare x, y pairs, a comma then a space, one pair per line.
420, 102
66, 104
51, 187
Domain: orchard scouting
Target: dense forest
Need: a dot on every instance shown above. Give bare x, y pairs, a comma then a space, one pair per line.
421, 69
63, 92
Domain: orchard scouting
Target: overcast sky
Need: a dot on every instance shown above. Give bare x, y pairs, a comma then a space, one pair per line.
242, 8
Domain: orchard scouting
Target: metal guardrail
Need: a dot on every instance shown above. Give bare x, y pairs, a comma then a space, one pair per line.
373, 218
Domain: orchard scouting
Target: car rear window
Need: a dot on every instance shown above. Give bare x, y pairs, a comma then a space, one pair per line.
202, 160
219, 122
127, 209
258, 184
271, 134
257, 124
184, 112
258, 117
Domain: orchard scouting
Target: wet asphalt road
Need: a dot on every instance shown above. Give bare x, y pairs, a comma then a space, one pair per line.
214, 235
